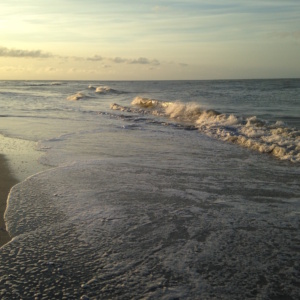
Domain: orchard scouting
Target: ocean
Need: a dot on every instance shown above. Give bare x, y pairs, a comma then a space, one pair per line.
152, 189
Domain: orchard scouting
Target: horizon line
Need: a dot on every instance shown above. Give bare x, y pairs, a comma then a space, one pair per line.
218, 79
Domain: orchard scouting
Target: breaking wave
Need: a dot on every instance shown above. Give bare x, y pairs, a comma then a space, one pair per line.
274, 138
87, 93
77, 96
105, 90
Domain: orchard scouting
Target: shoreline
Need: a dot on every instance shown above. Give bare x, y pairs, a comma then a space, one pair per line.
7, 181
18, 160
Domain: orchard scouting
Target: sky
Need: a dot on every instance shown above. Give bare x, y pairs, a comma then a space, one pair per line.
149, 40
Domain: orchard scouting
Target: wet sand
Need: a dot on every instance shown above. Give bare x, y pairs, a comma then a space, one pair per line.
7, 181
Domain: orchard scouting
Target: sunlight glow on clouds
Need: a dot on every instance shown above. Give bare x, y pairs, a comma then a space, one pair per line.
191, 39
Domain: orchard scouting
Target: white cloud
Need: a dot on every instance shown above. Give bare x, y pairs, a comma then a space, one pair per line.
20, 53
95, 58
6, 52
118, 60
138, 61
144, 61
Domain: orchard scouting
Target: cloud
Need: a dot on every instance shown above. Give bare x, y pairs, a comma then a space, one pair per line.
95, 58
292, 34
118, 60
145, 61
139, 61
6, 52
20, 53
106, 66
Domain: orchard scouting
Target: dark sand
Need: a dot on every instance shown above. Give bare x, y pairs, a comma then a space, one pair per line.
7, 181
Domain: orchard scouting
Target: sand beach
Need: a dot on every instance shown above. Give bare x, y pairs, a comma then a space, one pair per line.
7, 181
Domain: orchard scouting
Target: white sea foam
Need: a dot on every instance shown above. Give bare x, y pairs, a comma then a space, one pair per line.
148, 103
104, 90
77, 96
101, 224
274, 138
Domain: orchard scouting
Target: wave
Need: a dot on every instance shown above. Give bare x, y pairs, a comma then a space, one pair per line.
116, 106
98, 90
189, 112
149, 103
77, 96
275, 138
105, 90
42, 83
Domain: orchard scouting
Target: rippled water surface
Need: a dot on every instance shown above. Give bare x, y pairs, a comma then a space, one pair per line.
155, 190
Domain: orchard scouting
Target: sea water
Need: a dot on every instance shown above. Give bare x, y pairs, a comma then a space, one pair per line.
154, 190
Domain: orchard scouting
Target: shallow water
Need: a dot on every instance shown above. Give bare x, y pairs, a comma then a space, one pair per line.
139, 202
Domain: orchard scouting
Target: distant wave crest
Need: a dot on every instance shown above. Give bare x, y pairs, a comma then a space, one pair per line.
43, 83
105, 90
100, 90
276, 138
77, 96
